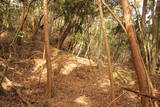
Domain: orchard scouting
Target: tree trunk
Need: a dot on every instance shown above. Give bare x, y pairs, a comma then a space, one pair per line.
22, 22
64, 36
144, 11
35, 36
33, 21
47, 52
136, 55
156, 36
107, 52
142, 43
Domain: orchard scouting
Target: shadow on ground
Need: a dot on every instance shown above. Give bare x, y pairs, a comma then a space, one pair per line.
78, 82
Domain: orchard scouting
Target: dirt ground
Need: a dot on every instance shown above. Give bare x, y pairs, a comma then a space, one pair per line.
78, 82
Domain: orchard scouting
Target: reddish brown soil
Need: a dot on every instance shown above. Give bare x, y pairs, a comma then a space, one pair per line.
79, 85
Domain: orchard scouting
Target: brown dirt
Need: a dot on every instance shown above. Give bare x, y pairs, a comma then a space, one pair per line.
78, 82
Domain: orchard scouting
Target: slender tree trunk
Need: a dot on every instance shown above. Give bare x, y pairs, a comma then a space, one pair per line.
22, 22
136, 55
64, 36
143, 20
25, 13
33, 21
107, 52
34, 36
47, 52
156, 40
141, 37
156, 36
158, 28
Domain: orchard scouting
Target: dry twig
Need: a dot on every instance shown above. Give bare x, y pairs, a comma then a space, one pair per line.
141, 94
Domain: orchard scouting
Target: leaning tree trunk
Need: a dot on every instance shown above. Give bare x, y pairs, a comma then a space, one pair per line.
23, 19
141, 71
64, 36
47, 51
107, 52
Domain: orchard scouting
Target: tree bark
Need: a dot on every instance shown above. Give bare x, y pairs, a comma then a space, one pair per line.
64, 36
23, 19
156, 36
142, 26
136, 55
107, 52
47, 52
143, 20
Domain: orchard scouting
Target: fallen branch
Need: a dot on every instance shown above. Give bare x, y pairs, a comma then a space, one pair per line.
8, 85
115, 99
141, 94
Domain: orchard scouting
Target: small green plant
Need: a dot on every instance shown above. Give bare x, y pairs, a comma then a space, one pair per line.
11, 59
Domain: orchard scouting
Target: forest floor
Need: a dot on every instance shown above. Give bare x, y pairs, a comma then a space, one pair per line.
78, 82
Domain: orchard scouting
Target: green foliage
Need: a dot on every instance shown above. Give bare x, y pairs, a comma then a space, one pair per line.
81, 15
79, 37
2, 13
123, 77
11, 59
22, 34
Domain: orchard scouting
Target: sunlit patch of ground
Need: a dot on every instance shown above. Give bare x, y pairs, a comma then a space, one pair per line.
83, 100
78, 82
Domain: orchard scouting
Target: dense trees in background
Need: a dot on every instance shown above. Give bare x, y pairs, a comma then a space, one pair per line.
148, 33
75, 26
